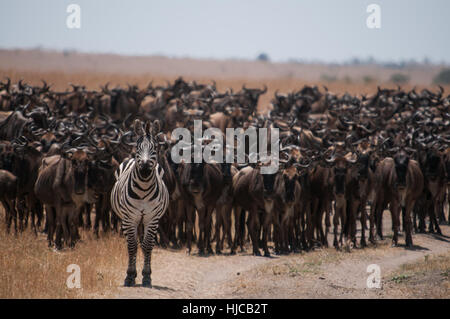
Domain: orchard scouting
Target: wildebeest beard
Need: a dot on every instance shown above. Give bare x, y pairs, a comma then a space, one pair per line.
268, 185
289, 187
80, 179
339, 180
196, 180
401, 169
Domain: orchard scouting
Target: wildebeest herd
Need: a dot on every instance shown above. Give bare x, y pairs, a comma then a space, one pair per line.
343, 159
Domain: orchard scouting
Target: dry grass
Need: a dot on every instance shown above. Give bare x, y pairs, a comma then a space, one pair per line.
29, 269
428, 278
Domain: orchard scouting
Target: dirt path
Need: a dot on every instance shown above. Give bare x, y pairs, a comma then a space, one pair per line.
323, 273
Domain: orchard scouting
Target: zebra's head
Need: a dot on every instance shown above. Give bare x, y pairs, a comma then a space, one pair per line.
146, 156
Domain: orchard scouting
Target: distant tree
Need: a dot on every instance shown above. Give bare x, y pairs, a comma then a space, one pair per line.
263, 57
328, 78
442, 77
368, 79
399, 78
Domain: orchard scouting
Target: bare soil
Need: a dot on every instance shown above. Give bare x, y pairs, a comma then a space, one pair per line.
323, 273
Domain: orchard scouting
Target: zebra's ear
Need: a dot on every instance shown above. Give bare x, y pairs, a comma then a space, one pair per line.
138, 129
148, 128
155, 127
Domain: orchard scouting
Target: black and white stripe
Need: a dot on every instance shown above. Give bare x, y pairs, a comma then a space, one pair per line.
140, 198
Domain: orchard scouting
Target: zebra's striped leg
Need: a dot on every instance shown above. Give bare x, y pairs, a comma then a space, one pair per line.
147, 247
130, 280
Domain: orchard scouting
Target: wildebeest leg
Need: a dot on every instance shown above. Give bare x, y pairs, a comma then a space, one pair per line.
395, 214
253, 228
422, 212
114, 222
238, 211
98, 214
372, 221
65, 224
201, 230
51, 223
21, 207
190, 219
218, 226
73, 226
88, 208
267, 218
208, 227
337, 212
226, 220
379, 217
354, 206
309, 226
407, 223
321, 234
80, 217
58, 227
363, 219
433, 215
278, 231
10, 213
328, 212
173, 222
163, 230
327, 218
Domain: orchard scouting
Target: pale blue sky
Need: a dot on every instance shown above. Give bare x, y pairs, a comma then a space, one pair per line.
327, 30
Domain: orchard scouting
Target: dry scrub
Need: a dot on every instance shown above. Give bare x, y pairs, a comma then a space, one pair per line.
29, 269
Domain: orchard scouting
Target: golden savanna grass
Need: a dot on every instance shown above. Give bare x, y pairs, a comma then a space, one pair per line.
29, 269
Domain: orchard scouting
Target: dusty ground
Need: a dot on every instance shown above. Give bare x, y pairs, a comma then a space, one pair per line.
324, 273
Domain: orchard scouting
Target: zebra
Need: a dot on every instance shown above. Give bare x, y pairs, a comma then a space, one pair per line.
139, 198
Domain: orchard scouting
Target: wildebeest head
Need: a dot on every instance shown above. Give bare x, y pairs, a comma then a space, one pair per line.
226, 172
401, 167
47, 140
432, 164
196, 178
146, 147
80, 162
268, 185
341, 168
340, 172
363, 165
289, 179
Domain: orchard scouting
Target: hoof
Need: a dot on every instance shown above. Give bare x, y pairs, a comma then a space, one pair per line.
256, 253
266, 254
362, 244
129, 282
147, 282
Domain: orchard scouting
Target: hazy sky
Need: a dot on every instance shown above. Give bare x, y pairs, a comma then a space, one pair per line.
327, 30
